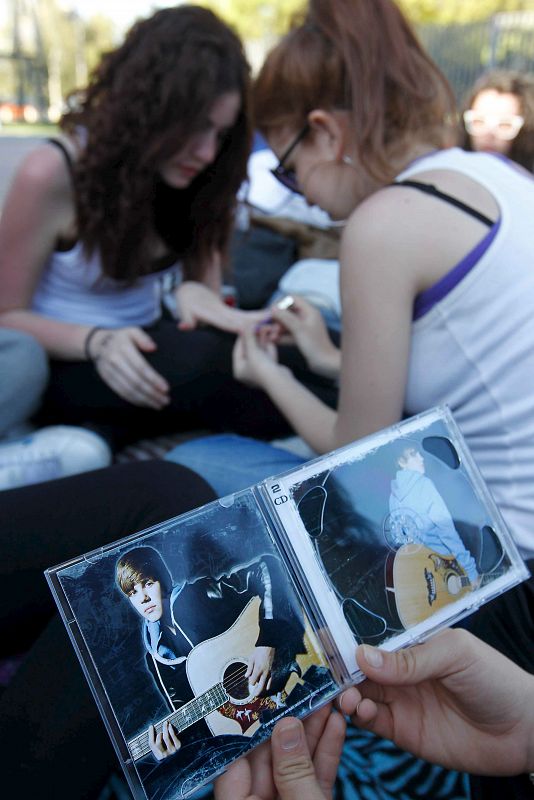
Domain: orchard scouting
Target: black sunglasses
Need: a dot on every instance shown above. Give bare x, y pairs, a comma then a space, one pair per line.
287, 177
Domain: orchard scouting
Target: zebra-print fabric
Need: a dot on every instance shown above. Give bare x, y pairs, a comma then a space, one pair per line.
375, 769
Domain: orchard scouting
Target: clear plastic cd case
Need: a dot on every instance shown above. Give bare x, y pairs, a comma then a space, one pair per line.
198, 634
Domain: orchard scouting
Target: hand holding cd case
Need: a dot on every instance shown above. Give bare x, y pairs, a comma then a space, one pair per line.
206, 629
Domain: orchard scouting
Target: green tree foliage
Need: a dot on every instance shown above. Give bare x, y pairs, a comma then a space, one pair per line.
466, 37
445, 12
60, 49
257, 19
99, 37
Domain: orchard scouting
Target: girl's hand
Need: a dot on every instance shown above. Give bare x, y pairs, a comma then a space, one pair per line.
306, 325
118, 360
453, 701
300, 761
254, 359
199, 305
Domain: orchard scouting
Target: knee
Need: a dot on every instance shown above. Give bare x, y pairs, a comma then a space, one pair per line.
203, 450
24, 370
24, 363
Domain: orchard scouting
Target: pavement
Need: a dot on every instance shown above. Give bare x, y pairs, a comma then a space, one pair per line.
12, 151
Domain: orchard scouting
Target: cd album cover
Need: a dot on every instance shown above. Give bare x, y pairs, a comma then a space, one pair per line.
198, 634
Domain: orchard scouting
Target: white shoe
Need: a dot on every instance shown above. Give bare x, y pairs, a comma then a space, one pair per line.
50, 453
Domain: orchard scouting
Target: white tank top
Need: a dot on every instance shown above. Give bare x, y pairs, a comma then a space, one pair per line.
474, 348
73, 289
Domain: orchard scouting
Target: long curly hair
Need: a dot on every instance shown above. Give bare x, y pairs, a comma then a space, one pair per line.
363, 57
520, 84
143, 103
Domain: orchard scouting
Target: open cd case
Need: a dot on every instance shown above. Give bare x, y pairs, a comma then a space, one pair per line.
208, 628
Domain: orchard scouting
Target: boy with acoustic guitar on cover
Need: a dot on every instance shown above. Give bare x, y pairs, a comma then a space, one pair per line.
189, 628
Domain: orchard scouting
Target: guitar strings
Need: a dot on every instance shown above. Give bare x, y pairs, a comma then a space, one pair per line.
140, 744
234, 680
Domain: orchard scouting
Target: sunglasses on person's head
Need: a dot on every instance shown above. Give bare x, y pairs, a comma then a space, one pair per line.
287, 177
503, 126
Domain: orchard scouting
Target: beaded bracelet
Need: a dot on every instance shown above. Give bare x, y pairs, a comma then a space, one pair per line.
87, 342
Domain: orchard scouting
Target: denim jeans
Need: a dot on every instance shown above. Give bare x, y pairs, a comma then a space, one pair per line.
229, 462
24, 371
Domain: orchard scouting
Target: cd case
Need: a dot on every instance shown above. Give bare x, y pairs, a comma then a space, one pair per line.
208, 628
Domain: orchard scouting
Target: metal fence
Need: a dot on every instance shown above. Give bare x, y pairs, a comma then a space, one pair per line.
463, 52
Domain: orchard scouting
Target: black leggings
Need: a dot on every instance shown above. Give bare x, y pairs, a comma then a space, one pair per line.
204, 395
52, 738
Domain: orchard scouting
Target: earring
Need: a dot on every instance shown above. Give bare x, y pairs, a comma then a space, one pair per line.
348, 160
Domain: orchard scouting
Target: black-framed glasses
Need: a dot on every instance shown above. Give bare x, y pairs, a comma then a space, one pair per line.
287, 177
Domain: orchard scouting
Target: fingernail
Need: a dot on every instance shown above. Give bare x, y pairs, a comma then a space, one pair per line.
290, 735
373, 656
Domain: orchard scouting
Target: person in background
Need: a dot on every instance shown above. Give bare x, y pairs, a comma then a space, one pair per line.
499, 116
139, 189
428, 317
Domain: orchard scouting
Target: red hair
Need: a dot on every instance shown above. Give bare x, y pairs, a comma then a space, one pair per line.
362, 56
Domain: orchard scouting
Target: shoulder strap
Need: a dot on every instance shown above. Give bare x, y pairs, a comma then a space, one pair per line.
429, 188
68, 158
62, 245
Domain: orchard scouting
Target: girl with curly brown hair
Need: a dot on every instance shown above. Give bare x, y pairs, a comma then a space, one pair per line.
139, 187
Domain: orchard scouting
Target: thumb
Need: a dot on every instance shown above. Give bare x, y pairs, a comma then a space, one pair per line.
248, 339
293, 770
